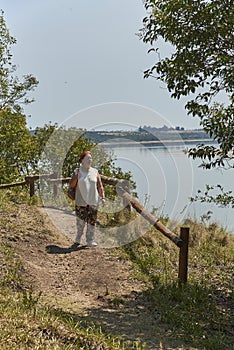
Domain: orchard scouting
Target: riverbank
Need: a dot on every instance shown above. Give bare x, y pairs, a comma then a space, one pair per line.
144, 137
124, 143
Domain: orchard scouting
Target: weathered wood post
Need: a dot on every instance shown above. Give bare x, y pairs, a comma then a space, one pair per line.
56, 181
126, 203
30, 180
183, 256
150, 217
55, 189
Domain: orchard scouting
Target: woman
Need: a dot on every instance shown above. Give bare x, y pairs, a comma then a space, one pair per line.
89, 190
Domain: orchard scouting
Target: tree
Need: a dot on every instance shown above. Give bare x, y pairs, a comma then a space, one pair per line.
50, 148
16, 146
201, 33
13, 92
16, 143
59, 149
201, 36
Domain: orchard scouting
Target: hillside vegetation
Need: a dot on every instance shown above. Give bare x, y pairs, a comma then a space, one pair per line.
125, 298
147, 135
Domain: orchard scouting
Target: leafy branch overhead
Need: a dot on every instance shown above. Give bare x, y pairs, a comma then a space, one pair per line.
201, 35
216, 195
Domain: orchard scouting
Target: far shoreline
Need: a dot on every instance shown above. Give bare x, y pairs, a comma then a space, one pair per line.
122, 143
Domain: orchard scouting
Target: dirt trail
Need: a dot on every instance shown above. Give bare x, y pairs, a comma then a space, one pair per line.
93, 283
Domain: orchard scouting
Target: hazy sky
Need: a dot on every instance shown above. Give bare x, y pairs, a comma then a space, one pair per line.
86, 53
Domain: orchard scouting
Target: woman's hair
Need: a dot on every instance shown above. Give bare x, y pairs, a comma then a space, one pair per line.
83, 154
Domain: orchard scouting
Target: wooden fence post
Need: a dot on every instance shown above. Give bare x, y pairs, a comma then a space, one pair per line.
126, 204
55, 184
30, 181
183, 256
55, 189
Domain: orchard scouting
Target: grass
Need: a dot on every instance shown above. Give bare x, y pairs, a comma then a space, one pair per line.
198, 314
26, 324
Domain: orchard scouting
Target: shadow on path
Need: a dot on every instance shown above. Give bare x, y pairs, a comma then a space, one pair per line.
131, 318
54, 249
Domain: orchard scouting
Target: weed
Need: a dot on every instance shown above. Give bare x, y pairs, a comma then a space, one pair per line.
29, 299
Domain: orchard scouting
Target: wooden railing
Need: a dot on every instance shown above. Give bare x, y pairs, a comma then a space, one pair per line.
123, 189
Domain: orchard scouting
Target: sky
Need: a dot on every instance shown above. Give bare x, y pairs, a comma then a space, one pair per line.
87, 56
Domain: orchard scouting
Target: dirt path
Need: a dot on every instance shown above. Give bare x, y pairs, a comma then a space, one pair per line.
93, 283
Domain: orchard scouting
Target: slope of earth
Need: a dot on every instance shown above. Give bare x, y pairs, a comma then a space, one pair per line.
95, 284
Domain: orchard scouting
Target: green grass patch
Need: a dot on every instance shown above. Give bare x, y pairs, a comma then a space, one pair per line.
199, 313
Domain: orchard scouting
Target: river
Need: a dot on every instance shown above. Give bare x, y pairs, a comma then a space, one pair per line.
166, 178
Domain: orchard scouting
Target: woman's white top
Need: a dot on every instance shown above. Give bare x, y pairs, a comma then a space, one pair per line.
86, 191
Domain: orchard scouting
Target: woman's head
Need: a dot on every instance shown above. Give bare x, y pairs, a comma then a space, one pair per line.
85, 158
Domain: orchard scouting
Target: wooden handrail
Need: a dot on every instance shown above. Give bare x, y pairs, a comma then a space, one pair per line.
123, 189
151, 218
14, 184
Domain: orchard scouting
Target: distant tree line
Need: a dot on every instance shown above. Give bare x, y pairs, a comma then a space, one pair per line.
163, 128
146, 134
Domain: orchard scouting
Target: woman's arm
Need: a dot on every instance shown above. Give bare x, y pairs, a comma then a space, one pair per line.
100, 187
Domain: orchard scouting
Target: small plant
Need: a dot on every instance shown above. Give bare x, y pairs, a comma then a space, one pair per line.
29, 299
107, 291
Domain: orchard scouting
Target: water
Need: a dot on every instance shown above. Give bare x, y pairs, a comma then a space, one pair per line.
166, 178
